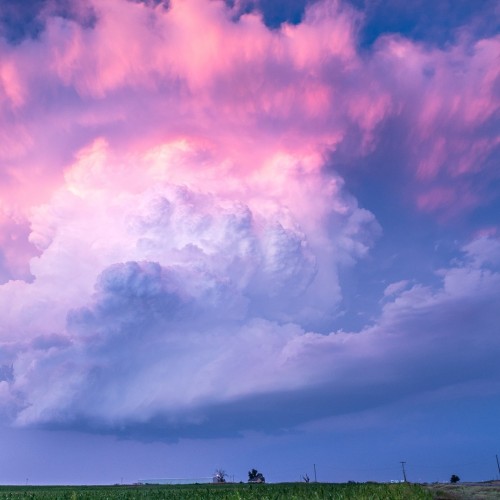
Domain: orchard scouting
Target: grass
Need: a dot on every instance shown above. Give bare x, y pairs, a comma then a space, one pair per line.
283, 491
489, 490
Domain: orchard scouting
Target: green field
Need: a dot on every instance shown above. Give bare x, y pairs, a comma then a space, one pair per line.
284, 491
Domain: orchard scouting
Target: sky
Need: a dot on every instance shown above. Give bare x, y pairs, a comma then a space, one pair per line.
249, 234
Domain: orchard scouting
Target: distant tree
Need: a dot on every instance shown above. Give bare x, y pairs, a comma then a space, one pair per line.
305, 477
454, 479
220, 476
254, 476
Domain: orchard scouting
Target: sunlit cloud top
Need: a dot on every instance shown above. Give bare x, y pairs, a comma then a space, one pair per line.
178, 206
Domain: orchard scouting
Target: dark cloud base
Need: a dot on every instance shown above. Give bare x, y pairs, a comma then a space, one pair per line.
274, 414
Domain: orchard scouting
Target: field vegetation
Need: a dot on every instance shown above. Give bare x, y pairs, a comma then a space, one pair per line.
282, 491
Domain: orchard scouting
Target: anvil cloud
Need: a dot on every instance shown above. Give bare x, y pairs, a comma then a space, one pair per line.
181, 218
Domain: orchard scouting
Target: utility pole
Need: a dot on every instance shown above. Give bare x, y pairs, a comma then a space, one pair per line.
315, 478
498, 465
404, 472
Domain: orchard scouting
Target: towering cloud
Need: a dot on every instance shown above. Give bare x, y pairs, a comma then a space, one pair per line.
171, 210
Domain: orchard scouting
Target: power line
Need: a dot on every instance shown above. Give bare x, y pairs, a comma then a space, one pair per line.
434, 468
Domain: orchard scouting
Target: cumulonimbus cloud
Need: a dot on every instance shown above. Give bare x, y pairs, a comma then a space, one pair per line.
130, 260
185, 237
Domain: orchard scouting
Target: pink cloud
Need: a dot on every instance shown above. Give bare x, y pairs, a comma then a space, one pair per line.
450, 101
10, 84
171, 167
140, 77
444, 197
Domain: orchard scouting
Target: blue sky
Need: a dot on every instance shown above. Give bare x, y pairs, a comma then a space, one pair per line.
249, 234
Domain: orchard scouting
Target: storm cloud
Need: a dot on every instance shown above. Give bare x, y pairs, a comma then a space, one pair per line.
176, 213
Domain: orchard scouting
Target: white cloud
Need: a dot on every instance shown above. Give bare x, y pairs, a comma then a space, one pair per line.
395, 288
163, 348
189, 259
154, 295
